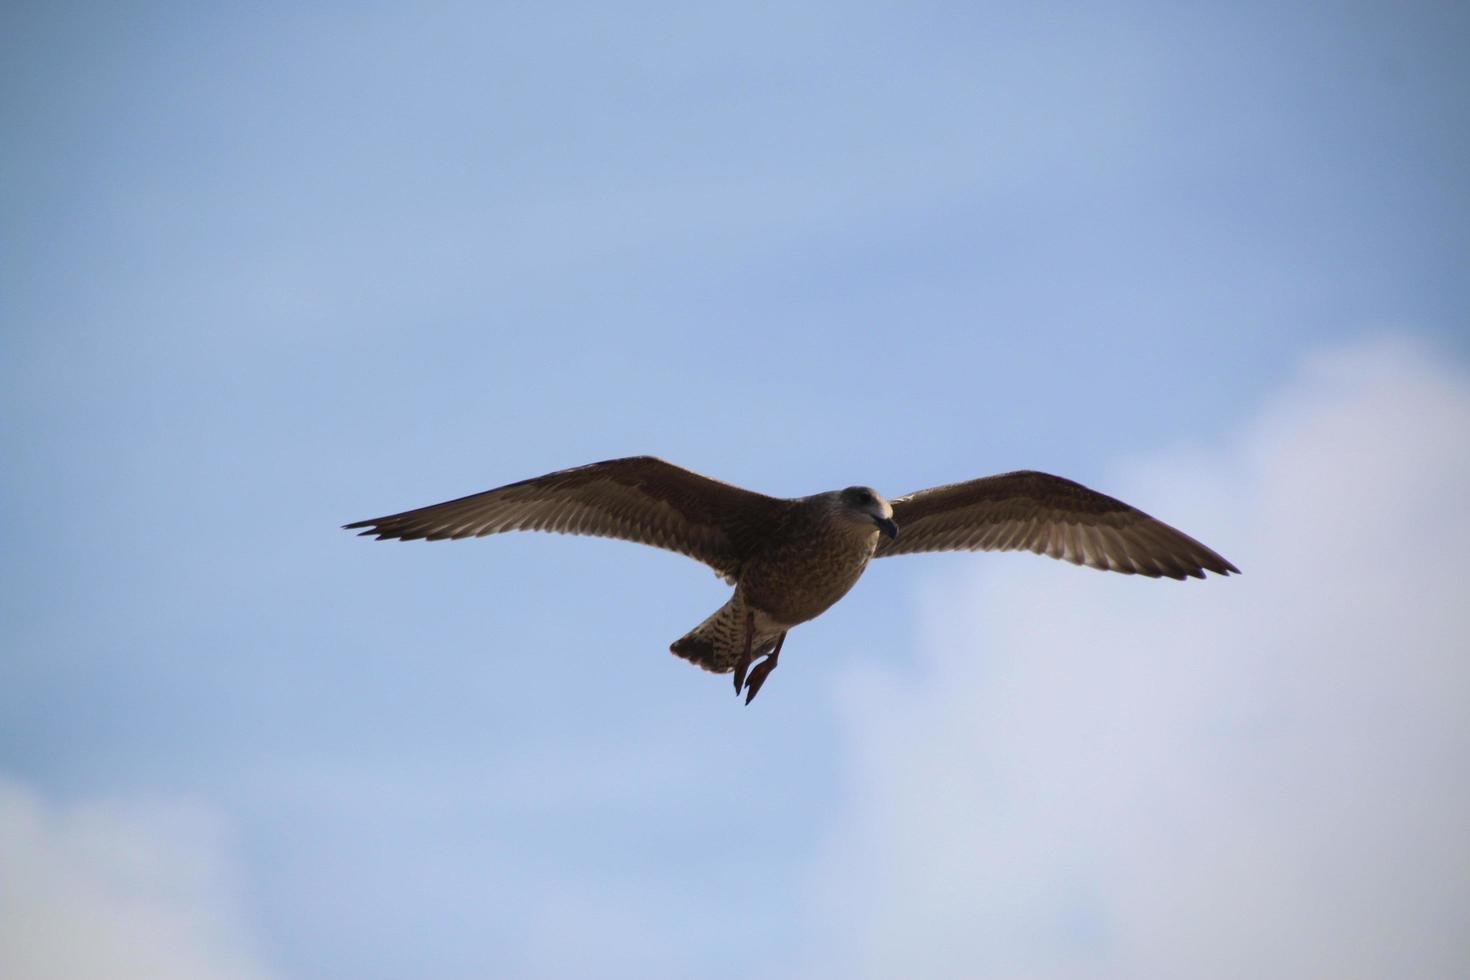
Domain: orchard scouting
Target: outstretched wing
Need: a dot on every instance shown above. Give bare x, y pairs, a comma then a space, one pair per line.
1050, 516
641, 498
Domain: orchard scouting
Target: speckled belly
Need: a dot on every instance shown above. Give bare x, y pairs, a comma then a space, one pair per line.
792, 588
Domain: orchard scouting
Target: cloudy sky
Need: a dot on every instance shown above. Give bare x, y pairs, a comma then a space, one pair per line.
267, 270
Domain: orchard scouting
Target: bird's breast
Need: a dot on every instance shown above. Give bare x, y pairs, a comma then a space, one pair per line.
801, 580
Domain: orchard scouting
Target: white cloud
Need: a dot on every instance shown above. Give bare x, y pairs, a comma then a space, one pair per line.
116, 890
1269, 775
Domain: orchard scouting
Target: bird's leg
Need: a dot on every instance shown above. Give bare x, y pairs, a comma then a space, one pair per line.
743, 664
763, 670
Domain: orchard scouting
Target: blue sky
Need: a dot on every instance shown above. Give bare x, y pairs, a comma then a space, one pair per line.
267, 270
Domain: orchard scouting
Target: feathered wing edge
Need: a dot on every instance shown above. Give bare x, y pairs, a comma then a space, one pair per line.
638, 498
1048, 515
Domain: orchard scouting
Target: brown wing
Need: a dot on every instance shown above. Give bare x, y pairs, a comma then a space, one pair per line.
1050, 516
640, 498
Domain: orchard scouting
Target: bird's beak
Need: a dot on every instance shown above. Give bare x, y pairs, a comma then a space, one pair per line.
886, 525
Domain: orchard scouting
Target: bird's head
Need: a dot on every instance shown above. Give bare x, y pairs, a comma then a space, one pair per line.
866, 506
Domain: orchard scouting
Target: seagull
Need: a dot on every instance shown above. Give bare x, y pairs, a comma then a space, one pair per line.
791, 559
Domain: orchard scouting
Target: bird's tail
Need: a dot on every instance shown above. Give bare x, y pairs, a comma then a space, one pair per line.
717, 643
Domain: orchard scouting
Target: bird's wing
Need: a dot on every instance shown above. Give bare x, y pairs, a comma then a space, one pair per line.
640, 498
1050, 516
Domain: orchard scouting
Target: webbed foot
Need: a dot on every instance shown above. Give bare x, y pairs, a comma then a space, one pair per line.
743, 664
762, 671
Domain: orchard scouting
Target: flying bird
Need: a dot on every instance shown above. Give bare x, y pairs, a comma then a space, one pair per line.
791, 559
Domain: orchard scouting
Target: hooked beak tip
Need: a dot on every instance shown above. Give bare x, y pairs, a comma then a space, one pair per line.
886, 526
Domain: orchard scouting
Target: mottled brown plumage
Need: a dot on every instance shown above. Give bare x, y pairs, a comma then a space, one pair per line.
1051, 516
791, 559
640, 498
